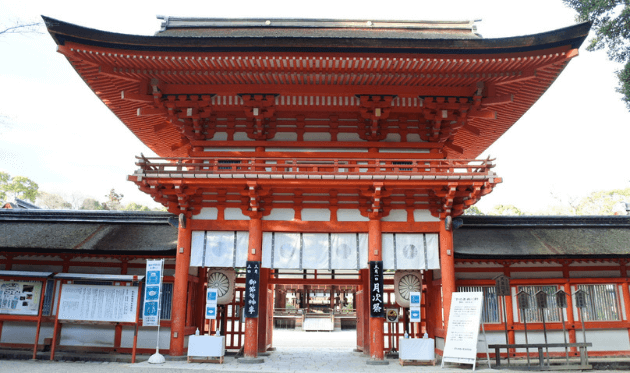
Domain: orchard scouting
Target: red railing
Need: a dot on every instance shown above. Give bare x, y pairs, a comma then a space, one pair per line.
234, 167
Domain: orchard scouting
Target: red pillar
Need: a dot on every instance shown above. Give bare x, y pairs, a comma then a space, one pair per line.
376, 323
263, 297
254, 253
180, 291
447, 264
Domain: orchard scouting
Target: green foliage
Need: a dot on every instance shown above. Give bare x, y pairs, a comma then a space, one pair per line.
473, 210
597, 203
611, 23
132, 206
506, 210
17, 187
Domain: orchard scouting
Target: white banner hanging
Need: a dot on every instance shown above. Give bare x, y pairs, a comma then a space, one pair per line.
152, 293
286, 250
220, 249
316, 251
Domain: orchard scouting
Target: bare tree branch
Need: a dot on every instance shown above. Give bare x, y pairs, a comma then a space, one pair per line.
21, 28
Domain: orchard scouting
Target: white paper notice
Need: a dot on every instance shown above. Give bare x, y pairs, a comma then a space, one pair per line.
98, 303
463, 328
20, 297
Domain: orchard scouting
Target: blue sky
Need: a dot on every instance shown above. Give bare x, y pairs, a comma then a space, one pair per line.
574, 140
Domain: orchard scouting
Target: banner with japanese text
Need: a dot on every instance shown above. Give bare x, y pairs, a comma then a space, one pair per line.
460, 345
252, 284
377, 305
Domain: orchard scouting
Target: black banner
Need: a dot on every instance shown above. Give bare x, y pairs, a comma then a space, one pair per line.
376, 289
252, 284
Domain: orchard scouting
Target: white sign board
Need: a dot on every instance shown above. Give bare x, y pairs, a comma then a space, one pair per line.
20, 297
463, 328
152, 292
98, 303
211, 303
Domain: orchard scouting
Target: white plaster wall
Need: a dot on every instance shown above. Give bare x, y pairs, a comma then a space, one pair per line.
492, 338
392, 137
87, 335
220, 136
317, 150
413, 137
241, 136
232, 213
207, 213
439, 343
396, 150
476, 275
424, 216
280, 214
538, 336
24, 332
209, 149
350, 215
147, 337
605, 340
315, 215
396, 215
349, 137
317, 136
550, 274
593, 274
37, 268
98, 270
285, 136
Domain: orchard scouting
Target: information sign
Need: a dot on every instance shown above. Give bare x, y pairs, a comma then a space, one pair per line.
20, 297
414, 315
211, 303
98, 303
152, 293
376, 289
252, 284
463, 328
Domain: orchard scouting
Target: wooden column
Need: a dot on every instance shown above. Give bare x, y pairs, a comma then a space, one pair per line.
254, 253
263, 307
375, 253
447, 264
180, 291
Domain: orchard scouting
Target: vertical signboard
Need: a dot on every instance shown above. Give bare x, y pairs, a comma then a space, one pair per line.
152, 291
252, 284
211, 304
376, 289
414, 306
463, 328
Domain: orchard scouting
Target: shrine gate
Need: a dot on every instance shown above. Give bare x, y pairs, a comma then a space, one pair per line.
316, 145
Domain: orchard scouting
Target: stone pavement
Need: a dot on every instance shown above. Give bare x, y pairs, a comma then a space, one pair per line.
295, 352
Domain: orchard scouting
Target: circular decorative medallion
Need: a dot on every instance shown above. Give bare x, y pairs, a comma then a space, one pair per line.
408, 284
287, 250
343, 251
219, 281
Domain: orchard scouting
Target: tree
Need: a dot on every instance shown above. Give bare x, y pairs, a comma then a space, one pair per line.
91, 204
52, 201
18, 27
473, 210
603, 202
17, 187
113, 200
132, 206
611, 23
508, 210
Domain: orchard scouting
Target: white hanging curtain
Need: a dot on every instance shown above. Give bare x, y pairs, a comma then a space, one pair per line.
316, 251
215, 249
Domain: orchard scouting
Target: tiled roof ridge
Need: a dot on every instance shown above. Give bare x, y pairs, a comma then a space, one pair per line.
86, 216
544, 221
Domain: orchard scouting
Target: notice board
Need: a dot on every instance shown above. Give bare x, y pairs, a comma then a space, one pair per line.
463, 328
98, 303
20, 297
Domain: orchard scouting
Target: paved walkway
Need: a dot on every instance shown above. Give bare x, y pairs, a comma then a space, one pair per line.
295, 352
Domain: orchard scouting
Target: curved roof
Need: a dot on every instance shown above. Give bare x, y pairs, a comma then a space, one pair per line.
318, 61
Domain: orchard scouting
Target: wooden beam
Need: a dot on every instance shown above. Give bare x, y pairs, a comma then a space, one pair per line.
137, 97
317, 144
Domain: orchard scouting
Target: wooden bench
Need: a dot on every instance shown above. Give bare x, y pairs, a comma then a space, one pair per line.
541, 359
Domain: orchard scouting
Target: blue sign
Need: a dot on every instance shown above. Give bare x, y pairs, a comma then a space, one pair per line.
153, 277
415, 299
153, 292
212, 296
211, 312
150, 309
414, 315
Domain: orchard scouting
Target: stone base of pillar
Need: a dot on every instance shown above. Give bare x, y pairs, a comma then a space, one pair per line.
377, 362
251, 360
